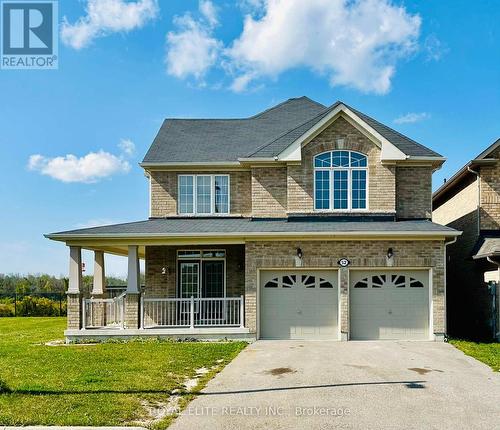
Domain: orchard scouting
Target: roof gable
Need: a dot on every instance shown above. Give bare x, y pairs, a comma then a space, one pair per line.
454, 183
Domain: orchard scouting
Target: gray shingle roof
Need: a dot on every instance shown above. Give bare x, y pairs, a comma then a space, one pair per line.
488, 247
263, 135
405, 144
191, 140
224, 226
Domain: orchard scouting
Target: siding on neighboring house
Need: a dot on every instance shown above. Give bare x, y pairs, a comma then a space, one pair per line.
467, 294
458, 205
490, 194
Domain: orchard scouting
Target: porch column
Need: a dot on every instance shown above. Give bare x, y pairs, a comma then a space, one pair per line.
74, 304
134, 275
99, 285
133, 294
344, 303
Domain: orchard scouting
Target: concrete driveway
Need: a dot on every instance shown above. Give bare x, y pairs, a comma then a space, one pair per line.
348, 385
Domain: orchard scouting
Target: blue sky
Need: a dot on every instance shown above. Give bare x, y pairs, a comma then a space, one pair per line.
429, 69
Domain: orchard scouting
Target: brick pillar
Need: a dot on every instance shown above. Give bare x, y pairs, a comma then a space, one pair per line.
250, 292
74, 311
74, 303
132, 310
344, 303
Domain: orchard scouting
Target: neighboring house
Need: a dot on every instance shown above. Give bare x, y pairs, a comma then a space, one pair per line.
301, 222
470, 201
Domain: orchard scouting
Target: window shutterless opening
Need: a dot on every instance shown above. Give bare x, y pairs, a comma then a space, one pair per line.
340, 181
203, 194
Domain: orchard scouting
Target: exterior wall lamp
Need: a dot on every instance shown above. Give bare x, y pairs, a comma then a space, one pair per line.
298, 258
389, 258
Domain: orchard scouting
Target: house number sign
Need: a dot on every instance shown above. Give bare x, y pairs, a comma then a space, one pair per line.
343, 262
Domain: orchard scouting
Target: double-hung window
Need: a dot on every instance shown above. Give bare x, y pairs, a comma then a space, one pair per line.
203, 194
340, 181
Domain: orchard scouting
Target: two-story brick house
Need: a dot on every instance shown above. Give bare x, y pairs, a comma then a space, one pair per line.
470, 202
302, 222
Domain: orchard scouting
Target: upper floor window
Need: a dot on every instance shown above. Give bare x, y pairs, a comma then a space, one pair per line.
203, 194
340, 181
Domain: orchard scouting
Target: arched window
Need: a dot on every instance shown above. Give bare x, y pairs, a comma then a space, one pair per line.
340, 181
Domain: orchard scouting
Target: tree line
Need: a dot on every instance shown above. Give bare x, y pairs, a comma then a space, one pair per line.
43, 283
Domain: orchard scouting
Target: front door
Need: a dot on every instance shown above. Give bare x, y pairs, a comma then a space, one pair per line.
189, 279
205, 283
212, 284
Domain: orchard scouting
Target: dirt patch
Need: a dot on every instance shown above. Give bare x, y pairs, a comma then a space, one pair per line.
158, 410
278, 371
61, 342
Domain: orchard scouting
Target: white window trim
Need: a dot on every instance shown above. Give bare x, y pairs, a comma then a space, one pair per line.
349, 170
212, 196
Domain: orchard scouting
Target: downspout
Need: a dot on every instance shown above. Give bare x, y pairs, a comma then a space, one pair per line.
478, 199
496, 314
451, 242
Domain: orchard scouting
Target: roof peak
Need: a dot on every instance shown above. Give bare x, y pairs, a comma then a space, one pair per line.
287, 102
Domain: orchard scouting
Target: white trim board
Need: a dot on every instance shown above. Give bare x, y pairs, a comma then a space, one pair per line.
389, 151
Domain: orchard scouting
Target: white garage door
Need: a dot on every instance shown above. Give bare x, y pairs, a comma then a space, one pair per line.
299, 305
389, 305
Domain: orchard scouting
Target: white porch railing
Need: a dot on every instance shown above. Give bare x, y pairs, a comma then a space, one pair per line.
104, 313
193, 312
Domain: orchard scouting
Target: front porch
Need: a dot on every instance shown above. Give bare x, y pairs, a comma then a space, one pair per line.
189, 292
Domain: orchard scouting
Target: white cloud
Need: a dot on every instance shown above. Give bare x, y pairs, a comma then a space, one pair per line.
354, 43
209, 12
127, 147
412, 117
87, 169
105, 17
434, 49
241, 83
192, 50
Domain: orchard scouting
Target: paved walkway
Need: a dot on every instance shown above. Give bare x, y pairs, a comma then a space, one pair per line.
348, 385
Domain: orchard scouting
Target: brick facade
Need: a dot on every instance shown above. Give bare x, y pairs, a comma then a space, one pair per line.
165, 285
269, 191
164, 192
414, 192
280, 190
381, 178
325, 254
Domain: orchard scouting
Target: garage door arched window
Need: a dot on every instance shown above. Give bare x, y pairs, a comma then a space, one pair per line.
340, 181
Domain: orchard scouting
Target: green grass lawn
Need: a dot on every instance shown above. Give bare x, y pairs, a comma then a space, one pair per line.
488, 353
95, 385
